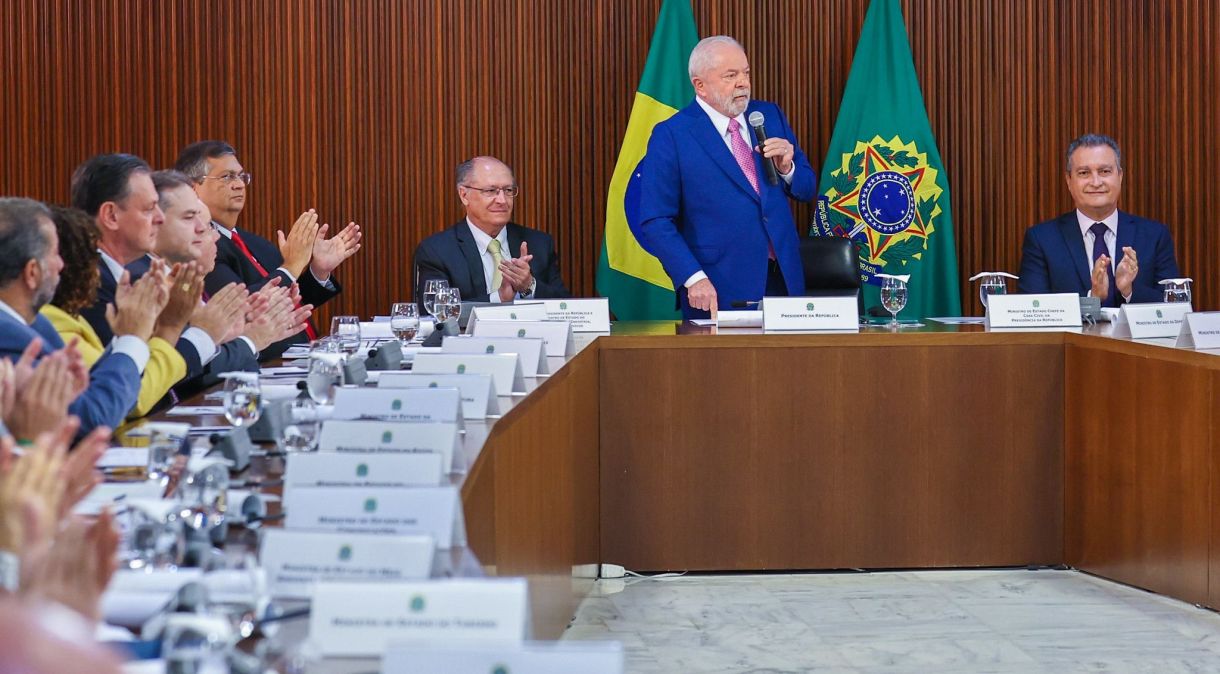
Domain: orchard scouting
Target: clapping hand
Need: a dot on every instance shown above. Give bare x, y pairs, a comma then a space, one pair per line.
1126, 271
224, 316
297, 247
137, 305
516, 272
330, 253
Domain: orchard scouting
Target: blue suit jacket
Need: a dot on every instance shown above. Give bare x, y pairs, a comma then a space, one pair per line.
692, 207
1054, 260
114, 381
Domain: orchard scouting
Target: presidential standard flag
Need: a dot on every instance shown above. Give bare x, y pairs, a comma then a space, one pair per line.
633, 279
884, 183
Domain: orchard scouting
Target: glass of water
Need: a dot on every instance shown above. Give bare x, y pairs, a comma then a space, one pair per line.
301, 433
448, 304
404, 321
431, 287
992, 285
243, 398
162, 448
893, 297
325, 375
1176, 290
346, 331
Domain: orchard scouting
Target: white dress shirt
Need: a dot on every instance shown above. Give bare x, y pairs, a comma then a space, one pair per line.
481, 241
1110, 238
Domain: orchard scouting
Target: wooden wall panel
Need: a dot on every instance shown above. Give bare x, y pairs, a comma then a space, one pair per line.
362, 109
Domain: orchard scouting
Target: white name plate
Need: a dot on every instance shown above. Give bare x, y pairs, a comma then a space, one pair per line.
438, 405
504, 368
1156, 319
1059, 310
296, 560
841, 314
557, 334
535, 657
389, 437
531, 350
1200, 330
585, 315
355, 619
477, 390
431, 511
506, 312
365, 471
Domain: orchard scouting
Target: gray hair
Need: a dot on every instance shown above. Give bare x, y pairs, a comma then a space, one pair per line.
21, 239
700, 56
1093, 140
467, 167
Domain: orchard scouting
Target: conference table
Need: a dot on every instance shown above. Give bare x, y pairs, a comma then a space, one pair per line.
663, 446
668, 447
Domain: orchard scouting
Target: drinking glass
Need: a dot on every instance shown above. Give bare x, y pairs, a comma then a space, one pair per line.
242, 398
301, 434
448, 304
346, 331
893, 297
431, 287
162, 448
196, 643
993, 284
325, 375
150, 542
404, 321
203, 494
1176, 290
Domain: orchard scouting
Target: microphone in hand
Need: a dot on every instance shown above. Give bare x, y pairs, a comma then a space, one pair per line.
757, 120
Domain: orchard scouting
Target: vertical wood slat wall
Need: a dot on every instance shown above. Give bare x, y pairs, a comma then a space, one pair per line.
362, 109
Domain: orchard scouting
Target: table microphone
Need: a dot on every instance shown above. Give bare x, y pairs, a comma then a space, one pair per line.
756, 120
742, 304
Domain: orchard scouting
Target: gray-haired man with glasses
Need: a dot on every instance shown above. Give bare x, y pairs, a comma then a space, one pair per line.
485, 256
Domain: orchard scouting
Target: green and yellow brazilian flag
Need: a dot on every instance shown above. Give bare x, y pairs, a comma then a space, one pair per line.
884, 184
634, 280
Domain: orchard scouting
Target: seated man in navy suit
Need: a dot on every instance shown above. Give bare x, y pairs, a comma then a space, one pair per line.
1074, 253
305, 256
29, 273
485, 256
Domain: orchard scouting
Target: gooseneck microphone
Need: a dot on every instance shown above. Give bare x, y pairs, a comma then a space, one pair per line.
756, 120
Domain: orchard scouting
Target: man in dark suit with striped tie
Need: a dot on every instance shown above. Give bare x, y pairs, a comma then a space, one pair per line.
304, 256
1074, 253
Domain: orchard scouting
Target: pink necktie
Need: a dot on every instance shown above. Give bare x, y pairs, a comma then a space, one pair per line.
743, 154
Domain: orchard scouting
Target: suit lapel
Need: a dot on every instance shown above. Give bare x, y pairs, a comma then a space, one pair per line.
1073, 242
108, 284
1128, 233
700, 127
474, 259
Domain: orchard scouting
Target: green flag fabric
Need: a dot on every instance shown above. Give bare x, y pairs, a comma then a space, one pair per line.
633, 279
884, 184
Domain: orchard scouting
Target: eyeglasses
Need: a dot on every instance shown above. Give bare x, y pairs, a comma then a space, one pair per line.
229, 176
491, 192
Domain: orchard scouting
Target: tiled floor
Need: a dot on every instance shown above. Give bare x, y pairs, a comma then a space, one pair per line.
929, 621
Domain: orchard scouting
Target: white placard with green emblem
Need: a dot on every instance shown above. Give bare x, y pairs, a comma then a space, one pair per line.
365, 471
526, 311
394, 437
586, 315
504, 368
433, 511
295, 560
355, 619
837, 314
441, 405
1154, 319
531, 350
478, 391
1055, 310
531, 657
557, 334
1200, 330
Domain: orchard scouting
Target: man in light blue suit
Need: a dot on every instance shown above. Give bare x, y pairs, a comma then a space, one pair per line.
1073, 253
29, 272
703, 201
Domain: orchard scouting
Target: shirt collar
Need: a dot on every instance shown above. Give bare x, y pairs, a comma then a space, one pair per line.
1086, 223
12, 312
116, 269
718, 120
481, 239
224, 231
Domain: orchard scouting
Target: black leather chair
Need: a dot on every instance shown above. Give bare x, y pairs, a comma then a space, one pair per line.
831, 266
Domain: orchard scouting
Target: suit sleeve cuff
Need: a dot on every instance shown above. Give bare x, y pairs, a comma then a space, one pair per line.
202, 342
134, 348
694, 278
288, 274
250, 343
788, 176
325, 283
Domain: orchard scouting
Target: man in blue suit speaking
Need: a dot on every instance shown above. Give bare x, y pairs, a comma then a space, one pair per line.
706, 204
1074, 252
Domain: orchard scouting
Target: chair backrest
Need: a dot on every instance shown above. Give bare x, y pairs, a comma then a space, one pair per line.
831, 265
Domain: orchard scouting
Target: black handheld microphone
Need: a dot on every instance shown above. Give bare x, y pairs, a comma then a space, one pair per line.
756, 120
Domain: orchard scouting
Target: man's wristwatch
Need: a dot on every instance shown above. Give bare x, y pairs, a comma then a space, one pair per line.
526, 295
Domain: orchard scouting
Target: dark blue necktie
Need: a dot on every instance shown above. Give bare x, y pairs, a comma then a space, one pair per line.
1099, 249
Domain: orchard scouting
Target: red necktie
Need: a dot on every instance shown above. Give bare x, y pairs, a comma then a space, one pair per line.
241, 245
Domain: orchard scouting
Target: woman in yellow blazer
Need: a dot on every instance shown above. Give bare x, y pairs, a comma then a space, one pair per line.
77, 289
